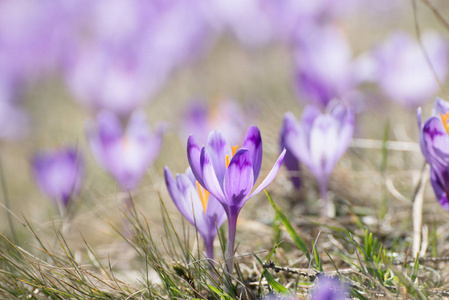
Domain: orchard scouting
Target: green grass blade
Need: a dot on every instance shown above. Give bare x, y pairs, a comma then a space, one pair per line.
294, 235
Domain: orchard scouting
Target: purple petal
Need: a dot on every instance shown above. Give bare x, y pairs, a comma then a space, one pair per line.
185, 196
290, 161
191, 201
218, 148
309, 114
270, 177
324, 139
215, 213
253, 142
440, 107
328, 288
297, 137
109, 127
440, 187
59, 174
210, 179
435, 141
239, 178
193, 155
189, 174
175, 194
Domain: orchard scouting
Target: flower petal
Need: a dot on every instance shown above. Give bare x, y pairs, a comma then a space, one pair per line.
436, 142
193, 155
296, 138
253, 142
191, 201
270, 177
290, 161
209, 178
215, 213
176, 195
440, 107
239, 178
439, 188
218, 148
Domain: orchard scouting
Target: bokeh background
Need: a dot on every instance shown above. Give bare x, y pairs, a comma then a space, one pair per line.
62, 62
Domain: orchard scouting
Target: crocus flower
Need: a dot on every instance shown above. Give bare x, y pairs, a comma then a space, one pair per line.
199, 208
328, 288
230, 174
324, 66
434, 142
404, 74
319, 140
125, 154
59, 174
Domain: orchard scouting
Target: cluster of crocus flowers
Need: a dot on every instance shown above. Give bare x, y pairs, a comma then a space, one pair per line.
195, 203
319, 141
434, 142
125, 154
230, 175
59, 174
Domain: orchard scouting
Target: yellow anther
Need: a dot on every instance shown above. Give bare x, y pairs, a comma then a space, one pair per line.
204, 195
234, 150
445, 118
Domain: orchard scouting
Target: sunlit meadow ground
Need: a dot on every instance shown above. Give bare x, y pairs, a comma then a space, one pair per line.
372, 191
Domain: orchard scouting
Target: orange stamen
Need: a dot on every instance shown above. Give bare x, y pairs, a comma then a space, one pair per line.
234, 150
445, 118
204, 195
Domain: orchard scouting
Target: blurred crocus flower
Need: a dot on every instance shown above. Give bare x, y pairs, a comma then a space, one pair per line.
328, 288
116, 79
59, 174
125, 154
404, 74
196, 204
320, 140
434, 142
230, 174
227, 117
324, 65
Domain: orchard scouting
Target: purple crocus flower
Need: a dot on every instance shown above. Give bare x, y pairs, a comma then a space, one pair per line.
320, 140
229, 175
59, 174
328, 288
324, 66
403, 71
199, 208
126, 155
434, 142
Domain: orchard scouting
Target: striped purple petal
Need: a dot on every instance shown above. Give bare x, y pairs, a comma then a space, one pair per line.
239, 178
253, 142
218, 148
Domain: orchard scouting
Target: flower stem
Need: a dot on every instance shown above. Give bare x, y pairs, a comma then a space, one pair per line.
327, 209
209, 245
229, 254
